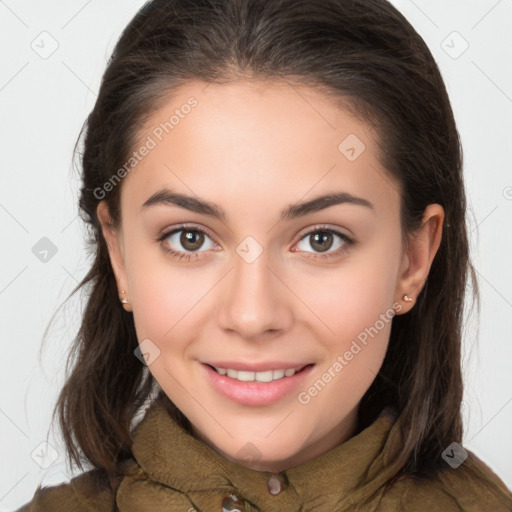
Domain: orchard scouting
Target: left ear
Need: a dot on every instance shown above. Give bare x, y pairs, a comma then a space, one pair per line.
423, 246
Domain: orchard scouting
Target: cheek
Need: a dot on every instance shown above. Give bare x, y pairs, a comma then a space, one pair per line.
350, 298
165, 307
354, 311
162, 300
167, 298
357, 308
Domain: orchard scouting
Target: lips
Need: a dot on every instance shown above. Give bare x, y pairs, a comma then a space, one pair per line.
256, 393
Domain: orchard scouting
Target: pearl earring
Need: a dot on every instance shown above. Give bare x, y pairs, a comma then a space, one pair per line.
123, 300
406, 298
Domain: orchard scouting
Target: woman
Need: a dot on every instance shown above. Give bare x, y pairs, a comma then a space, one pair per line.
275, 196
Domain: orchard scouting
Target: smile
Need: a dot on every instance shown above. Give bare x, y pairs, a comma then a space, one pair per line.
256, 388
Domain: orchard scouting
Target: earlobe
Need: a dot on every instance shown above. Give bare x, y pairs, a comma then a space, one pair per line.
423, 246
114, 245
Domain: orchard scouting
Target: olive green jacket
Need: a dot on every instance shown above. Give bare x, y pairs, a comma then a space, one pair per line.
172, 471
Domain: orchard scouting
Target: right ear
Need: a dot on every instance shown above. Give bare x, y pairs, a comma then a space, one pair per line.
115, 247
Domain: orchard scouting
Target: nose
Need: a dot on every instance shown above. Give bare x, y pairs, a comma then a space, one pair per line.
255, 303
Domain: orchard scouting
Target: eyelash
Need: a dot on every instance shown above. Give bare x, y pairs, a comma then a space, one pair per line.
317, 229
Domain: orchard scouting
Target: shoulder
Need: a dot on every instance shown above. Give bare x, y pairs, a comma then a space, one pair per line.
471, 487
87, 492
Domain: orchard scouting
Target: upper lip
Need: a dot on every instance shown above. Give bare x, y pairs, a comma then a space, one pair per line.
257, 367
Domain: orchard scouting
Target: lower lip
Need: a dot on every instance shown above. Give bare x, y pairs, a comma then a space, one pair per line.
255, 393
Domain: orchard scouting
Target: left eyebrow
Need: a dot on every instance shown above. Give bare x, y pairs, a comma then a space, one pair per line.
167, 197
322, 202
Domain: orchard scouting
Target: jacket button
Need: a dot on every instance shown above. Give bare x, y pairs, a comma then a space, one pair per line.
274, 485
231, 504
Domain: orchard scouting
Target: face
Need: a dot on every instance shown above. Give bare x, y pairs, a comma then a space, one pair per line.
240, 276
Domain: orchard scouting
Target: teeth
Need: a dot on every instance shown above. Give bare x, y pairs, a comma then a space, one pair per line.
266, 376
278, 374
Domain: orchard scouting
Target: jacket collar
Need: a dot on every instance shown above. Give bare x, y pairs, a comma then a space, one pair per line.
171, 456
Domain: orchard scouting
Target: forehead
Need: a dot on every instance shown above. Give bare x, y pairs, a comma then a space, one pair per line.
248, 139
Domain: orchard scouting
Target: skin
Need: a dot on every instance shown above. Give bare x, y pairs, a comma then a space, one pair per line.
254, 148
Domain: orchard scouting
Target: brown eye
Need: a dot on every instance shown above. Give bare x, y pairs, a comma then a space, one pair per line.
184, 240
191, 240
324, 242
321, 241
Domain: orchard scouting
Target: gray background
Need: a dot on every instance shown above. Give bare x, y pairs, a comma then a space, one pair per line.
44, 98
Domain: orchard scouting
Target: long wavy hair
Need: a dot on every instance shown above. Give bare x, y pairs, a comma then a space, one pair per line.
367, 55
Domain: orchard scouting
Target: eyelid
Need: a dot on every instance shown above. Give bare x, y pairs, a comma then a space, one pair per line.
165, 233
324, 227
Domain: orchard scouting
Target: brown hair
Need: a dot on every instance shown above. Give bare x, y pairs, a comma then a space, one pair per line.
363, 51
